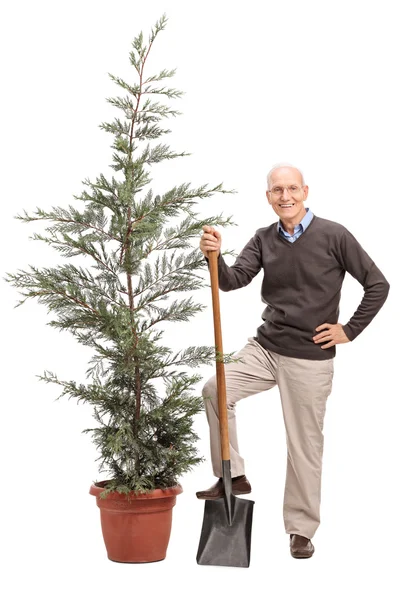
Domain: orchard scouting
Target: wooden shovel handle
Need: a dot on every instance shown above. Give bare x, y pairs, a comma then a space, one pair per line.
220, 370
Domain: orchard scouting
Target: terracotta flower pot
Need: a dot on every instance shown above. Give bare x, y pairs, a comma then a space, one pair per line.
136, 527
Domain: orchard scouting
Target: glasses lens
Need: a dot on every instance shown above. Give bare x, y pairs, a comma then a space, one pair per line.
292, 189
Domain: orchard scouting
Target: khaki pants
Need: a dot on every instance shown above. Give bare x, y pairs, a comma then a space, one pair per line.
304, 387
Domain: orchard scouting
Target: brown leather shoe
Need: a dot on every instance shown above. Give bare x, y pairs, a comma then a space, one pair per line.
240, 485
300, 546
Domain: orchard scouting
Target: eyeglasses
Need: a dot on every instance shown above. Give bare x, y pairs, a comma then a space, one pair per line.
292, 189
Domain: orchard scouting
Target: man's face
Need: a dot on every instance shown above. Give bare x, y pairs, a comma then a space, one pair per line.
286, 194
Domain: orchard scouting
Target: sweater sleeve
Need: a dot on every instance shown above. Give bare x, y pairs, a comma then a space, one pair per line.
356, 261
246, 266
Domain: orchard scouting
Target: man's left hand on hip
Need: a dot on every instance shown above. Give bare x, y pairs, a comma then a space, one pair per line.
332, 333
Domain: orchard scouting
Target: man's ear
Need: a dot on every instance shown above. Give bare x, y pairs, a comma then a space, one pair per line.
267, 194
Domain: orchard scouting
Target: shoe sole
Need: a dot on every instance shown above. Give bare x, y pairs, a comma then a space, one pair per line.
218, 497
299, 555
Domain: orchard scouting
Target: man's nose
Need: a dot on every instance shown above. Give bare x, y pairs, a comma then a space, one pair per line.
286, 193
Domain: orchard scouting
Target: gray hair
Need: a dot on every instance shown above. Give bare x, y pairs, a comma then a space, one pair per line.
278, 166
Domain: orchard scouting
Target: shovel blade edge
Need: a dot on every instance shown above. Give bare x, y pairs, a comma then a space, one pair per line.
223, 544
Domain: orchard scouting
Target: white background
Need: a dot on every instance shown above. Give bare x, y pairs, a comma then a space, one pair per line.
312, 83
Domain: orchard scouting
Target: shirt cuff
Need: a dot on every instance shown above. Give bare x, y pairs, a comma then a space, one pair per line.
348, 332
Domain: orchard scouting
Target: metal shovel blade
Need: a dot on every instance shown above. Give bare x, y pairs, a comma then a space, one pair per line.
225, 537
222, 543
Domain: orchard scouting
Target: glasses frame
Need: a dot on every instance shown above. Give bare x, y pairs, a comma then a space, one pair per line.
285, 187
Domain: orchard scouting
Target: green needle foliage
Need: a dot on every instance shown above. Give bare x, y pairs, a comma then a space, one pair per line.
145, 437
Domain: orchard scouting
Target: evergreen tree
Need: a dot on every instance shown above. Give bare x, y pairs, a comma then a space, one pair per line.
145, 437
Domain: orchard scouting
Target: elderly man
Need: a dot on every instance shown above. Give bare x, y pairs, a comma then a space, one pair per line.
304, 259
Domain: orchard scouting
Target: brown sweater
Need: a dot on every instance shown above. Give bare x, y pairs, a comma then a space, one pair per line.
302, 285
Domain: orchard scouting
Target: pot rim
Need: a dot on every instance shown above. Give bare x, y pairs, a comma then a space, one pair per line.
96, 488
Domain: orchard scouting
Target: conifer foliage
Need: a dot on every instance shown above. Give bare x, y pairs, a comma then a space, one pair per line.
145, 436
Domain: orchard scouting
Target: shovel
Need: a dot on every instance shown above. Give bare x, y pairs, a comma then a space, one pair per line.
226, 533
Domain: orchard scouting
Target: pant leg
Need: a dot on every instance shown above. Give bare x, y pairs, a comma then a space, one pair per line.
254, 374
304, 387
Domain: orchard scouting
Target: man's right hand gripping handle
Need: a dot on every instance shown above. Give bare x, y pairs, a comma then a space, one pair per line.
210, 240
